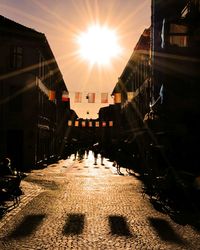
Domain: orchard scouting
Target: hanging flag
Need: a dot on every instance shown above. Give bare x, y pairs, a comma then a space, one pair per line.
130, 96
103, 124
76, 123
110, 123
104, 97
69, 123
83, 123
65, 96
90, 124
78, 97
52, 95
117, 98
91, 97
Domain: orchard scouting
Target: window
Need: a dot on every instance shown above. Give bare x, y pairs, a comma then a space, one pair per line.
15, 95
180, 41
17, 57
178, 35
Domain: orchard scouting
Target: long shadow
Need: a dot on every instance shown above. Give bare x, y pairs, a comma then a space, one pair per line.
74, 224
3, 210
118, 225
165, 231
29, 224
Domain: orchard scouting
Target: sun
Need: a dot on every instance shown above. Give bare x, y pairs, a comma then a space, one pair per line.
98, 45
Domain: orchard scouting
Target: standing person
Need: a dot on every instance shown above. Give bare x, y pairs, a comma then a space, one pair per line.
118, 162
95, 152
81, 152
87, 152
102, 152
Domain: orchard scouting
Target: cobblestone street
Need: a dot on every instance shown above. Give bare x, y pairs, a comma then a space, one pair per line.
79, 205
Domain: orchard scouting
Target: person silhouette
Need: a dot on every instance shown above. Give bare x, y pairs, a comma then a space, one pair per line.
5, 168
95, 152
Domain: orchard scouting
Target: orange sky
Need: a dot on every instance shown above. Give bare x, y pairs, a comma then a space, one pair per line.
62, 20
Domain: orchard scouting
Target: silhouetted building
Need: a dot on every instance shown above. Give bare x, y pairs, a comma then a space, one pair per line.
135, 88
32, 113
176, 76
159, 87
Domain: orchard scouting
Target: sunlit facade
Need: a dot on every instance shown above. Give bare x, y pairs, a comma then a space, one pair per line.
33, 116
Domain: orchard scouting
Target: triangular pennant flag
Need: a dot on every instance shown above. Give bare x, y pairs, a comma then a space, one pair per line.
52, 95
78, 97
104, 97
117, 98
65, 96
91, 97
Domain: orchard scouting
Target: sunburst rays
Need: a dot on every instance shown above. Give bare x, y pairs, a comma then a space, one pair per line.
63, 30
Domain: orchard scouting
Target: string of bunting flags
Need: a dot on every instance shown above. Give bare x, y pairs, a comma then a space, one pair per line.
91, 97
81, 97
86, 123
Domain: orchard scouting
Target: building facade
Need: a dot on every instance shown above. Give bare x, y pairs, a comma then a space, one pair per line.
135, 88
31, 108
159, 86
175, 64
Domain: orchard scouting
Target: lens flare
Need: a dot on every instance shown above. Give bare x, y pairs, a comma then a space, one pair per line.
98, 45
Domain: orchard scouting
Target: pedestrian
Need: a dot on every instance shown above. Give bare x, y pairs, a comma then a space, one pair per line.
95, 152
7, 172
119, 160
87, 152
5, 168
102, 152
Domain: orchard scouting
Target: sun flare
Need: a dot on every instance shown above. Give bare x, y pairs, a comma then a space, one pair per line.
98, 45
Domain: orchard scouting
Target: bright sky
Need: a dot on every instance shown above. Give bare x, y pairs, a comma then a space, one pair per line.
70, 25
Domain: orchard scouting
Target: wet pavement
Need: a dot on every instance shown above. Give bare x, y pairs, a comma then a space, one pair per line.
79, 205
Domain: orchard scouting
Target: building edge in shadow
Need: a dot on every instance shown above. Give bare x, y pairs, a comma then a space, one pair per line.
32, 112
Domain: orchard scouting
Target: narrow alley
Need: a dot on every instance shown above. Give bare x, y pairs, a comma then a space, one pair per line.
79, 205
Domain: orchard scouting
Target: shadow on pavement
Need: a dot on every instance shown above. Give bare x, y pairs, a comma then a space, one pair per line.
165, 231
29, 224
47, 184
74, 224
2, 211
118, 225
